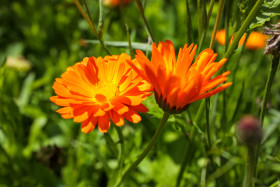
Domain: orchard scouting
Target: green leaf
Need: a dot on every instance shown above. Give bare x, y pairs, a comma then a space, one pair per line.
269, 9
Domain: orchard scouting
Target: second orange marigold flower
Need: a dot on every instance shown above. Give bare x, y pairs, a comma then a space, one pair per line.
177, 83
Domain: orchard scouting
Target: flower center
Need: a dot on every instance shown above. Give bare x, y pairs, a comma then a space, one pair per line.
104, 90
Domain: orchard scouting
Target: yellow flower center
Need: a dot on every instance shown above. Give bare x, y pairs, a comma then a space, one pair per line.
104, 91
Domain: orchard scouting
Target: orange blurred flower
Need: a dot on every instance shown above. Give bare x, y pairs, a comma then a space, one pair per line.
115, 3
177, 83
99, 89
256, 40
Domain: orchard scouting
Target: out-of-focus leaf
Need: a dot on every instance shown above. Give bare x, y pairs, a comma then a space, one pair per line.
25, 93
269, 9
36, 136
134, 45
166, 173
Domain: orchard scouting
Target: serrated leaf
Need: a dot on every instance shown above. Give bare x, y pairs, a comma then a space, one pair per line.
269, 9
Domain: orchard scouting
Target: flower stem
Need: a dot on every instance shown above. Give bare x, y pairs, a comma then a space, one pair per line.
129, 40
89, 21
243, 28
146, 150
121, 153
140, 7
221, 6
189, 23
271, 75
189, 151
272, 72
207, 105
250, 166
202, 17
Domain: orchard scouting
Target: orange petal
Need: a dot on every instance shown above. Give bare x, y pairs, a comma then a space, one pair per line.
132, 116
88, 125
116, 118
104, 123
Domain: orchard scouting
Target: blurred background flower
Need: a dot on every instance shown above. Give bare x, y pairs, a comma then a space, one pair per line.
115, 3
256, 40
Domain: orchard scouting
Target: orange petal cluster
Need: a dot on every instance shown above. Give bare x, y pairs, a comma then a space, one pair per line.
177, 83
115, 3
98, 90
256, 40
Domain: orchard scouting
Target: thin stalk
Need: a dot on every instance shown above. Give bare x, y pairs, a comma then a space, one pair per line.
121, 153
189, 24
207, 104
227, 21
85, 16
224, 104
140, 7
243, 27
111, 144
99, 36
202, 18
189, 149
100, 20
250, 166
129, 41
146, 150
202, 39
271, 75
85, 4
210, 10
218, 18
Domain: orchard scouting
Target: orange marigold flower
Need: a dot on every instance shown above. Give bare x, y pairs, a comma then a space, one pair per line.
99, 89
256, 40
115, 3
177, 83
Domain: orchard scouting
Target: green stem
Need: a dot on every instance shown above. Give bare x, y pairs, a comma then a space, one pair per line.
146, 150
271, 75
272, 72
129, 40
202, 18
111, 144
250, 166
121, 153
207, 104
189, 24
243, 27
227, 22
100, 20
218, 18
210, 10
140, 7
189, 151
98, 35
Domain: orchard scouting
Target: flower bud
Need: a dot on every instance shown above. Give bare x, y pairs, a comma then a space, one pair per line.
249, 131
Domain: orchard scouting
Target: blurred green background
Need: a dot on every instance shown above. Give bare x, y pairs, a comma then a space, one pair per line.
40, 39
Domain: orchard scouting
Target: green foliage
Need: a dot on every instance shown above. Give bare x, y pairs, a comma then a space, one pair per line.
39, 148
268, 10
